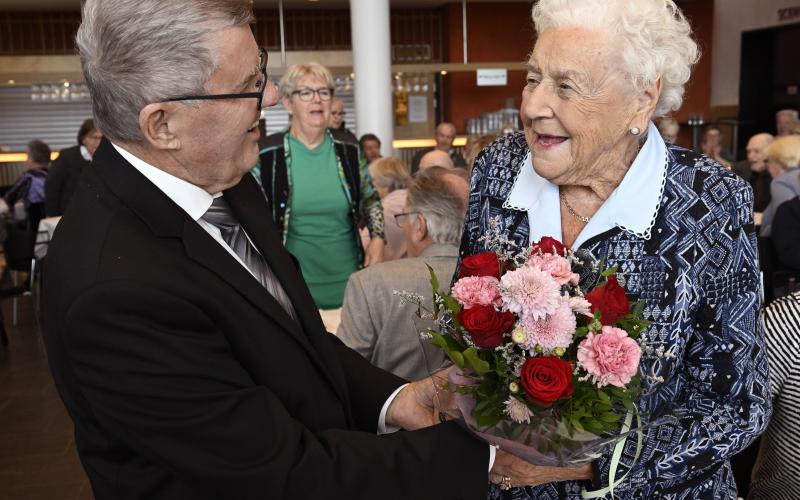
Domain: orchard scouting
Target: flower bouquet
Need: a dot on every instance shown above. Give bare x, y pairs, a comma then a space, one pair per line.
546, 346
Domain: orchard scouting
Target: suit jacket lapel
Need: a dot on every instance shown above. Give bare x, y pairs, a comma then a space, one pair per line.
167, 220
248, 203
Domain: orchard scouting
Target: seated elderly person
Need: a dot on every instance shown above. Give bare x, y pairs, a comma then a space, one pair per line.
592, 170
669, 129
711, 146
390, 177
29, 187
374, 321
783, 160
754, 170
435, 158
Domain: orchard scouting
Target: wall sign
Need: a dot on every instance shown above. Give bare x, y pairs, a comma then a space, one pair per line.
492, 77
789, 13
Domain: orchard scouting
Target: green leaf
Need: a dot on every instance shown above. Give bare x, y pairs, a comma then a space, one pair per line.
434, 279
610, 271
456, 357
610, 417
474, 362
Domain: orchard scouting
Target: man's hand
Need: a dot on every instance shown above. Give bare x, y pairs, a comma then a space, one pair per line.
374, 252
521, 473
419, 403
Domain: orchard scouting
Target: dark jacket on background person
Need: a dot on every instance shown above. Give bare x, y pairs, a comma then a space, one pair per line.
186, 378
63, 179
273, 172
786, 233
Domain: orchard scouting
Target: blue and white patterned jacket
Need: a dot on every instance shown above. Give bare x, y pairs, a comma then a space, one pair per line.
698, 276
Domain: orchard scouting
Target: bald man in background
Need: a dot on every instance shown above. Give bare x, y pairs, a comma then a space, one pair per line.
435, 158
445, 135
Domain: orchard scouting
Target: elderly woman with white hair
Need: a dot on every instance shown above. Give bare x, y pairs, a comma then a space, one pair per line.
592, 170
319, 189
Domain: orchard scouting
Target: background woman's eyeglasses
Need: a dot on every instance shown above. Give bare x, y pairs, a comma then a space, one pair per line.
262, 68
307, 95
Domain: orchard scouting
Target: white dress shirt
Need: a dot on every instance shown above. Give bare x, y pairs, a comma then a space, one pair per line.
632, 206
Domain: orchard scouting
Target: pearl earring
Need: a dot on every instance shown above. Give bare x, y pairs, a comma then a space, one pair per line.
635, 131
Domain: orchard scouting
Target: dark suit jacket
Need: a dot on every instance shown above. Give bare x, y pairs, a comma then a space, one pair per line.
786, 233
186, 379
62, 180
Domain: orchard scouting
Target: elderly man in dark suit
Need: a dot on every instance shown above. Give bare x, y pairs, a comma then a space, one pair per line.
181, 336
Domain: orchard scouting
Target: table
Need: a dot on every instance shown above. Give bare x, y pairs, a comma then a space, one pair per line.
331, 319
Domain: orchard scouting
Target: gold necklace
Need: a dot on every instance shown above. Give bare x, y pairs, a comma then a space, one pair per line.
572, 211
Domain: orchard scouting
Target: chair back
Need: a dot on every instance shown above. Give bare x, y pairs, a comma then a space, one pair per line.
18, 246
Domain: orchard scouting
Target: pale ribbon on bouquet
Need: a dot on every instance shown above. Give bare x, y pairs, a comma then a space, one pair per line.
615, 459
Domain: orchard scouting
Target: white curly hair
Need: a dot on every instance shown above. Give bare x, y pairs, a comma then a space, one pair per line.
656, 39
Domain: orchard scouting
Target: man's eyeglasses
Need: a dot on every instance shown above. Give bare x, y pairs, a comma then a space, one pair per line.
262, 68
403, 218
307, 95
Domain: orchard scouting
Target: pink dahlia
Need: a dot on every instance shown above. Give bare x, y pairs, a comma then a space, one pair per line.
552, 331
558, 267
476, 290
610, 357
530, 292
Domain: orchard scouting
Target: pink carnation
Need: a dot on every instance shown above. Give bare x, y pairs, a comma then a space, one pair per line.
610, 357
476, 291
558, 267
554, 330
530, 292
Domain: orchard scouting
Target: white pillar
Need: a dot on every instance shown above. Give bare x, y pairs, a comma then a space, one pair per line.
372, 65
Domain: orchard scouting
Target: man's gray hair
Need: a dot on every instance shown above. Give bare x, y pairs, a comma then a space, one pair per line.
791, 113
432, 195
137, 52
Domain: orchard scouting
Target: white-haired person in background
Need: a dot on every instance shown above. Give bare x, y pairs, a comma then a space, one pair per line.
785, 121
783, 164
592, 170
318, 187
669, 129
374, 320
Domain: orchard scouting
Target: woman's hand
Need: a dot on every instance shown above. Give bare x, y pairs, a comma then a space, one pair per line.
374, 253
521, 473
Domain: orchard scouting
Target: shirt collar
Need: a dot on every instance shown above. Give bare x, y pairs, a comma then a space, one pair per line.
194, 200
632, 206
85, 153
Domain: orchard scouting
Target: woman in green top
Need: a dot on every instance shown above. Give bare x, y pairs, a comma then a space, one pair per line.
319, 188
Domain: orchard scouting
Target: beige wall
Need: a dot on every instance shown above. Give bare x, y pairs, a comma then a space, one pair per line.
731, 18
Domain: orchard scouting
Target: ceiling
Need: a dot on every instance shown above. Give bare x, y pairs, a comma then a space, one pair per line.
28, 5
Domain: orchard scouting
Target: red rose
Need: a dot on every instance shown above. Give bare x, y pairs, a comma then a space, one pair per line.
481, 264
546, 379
486, 325
548, 244
610, 300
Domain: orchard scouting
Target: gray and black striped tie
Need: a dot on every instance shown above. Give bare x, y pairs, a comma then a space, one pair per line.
221, 216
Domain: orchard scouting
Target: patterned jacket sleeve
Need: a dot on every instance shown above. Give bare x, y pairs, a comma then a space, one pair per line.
371, 208
726, 403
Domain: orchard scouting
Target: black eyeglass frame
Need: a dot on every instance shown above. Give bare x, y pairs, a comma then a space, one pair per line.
314, 92
397, 217
264, 56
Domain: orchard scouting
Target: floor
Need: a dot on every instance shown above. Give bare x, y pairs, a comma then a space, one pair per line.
38, 460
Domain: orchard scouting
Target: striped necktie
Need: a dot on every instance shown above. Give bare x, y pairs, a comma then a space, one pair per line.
221, 216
